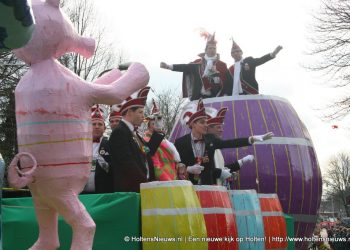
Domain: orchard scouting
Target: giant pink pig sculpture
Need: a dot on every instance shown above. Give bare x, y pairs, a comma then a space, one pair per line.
53, 123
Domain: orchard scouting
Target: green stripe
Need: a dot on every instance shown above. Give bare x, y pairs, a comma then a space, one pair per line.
52, 122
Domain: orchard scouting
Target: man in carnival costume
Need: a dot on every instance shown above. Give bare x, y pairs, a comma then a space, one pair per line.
215, 124
197, 148
131, 155
114, 116
205, 77
243, 71
100, 180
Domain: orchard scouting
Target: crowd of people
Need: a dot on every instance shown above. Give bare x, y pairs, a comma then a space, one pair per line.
129, 157
333, 238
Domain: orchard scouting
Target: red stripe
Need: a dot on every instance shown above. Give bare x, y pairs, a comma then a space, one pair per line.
66, 163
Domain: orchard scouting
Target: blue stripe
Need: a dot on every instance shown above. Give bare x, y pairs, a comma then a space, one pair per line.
52, 122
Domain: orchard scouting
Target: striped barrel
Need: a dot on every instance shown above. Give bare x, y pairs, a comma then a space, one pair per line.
219, 219
171, 216
274, 223
246, 207
286, 165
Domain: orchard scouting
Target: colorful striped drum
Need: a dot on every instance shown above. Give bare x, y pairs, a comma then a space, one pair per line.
274, 223
286, 165
246, 207
172, 217
219, 219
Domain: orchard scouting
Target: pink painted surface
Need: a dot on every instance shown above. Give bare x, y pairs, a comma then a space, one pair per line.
53, 121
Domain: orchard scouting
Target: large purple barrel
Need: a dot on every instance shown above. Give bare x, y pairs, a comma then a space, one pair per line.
286, 165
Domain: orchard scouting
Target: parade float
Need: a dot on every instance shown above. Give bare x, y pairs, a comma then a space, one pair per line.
285, 165
283, 184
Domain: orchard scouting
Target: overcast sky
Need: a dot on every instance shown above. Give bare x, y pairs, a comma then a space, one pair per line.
153, 31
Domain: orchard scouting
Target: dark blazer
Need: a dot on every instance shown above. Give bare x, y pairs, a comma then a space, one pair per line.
248, 80
103, 176
210, 172
128, 161
192, 81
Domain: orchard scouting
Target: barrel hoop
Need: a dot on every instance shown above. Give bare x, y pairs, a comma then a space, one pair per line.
210, 188
249, 191
268, 196
217, 210
275, 213
244, 98
247, 212
286, 141
171, 211
159, 184
306, 218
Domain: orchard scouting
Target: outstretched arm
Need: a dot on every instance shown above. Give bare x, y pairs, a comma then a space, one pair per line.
267, 57
187, 68
132, 80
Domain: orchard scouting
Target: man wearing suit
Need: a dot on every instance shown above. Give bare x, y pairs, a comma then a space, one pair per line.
114, 116
215, 124
100, 180
243, 71
197, 148
131, 155
207, 76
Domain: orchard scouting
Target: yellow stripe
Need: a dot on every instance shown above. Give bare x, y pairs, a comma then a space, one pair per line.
272, 149
235, 132
256, 157
52, 142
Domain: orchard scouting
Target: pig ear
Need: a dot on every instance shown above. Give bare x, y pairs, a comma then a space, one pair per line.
54, 3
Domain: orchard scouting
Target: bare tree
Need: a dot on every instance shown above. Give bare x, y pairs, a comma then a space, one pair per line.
337, 179
331, 39
83, 17
11, 70
170, 106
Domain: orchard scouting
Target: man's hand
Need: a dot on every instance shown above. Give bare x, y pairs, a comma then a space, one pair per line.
246, 159
264, 137
225, 174
195, 169
276, 51
163, 65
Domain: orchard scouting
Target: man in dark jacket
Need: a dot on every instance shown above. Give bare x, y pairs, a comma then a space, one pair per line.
243, 71
205, 77
131, 155
100, 180
197, 148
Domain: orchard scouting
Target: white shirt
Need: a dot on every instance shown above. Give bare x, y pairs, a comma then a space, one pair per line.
237, 85
198, 148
